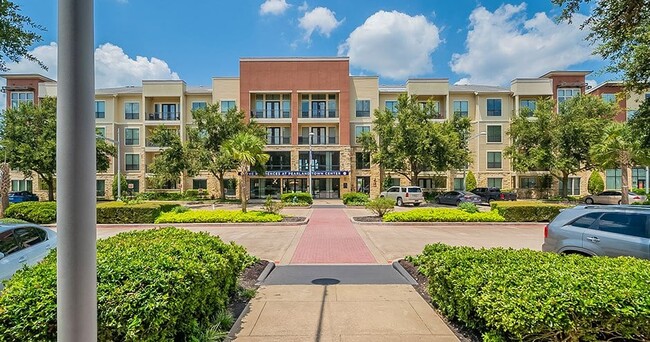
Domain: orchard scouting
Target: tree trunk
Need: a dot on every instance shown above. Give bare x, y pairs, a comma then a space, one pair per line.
242, 190
415, 178
222, 189
50, 190
565, 182
5, 184
624, 184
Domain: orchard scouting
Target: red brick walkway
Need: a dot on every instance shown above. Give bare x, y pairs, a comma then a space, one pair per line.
330, 238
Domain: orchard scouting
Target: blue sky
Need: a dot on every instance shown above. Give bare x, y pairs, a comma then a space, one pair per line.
482, 42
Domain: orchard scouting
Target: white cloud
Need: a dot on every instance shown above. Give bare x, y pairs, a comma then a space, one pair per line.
304, 7
319, 19
275, 7
504, 44
113, 68
393, 45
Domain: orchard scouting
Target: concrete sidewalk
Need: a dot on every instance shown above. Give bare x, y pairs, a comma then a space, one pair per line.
341, 313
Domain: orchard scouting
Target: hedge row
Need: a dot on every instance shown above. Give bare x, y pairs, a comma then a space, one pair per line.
155, 285
442, 215
297, 197
217, 216
355, 198
526, 295
35, 212
523, 211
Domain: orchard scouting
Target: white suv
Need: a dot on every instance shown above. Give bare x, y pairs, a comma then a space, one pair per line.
404, 195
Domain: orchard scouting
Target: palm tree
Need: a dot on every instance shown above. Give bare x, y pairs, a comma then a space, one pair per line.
248, 151
619, 148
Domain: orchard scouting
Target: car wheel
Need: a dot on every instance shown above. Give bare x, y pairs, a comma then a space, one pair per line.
619, 201
416, 204
489, 200
589, 201
458, 203
437, 200
399, 202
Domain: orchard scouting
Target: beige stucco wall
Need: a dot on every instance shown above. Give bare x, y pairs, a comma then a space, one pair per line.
532, 87
428, 87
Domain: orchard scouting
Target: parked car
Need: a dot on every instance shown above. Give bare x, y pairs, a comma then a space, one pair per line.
22, 196
458, 197
23, 244
600, 230
494, 194
613, 197
404, 195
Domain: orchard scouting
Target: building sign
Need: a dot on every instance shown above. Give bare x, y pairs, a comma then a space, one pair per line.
301, 173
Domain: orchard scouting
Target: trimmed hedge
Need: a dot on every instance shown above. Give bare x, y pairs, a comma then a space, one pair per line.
526, 211
11, 221
510, 295
154, 285
123, 213
442, 215
357, 198
35, 212
217, 216
300, 197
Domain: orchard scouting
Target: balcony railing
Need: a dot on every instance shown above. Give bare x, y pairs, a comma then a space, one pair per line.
318, 140
321, 114
278, 167
278, 140
149, 143
270, 114
165, 116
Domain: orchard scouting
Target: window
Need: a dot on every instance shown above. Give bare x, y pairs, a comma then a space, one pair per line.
199, 105
363, 160
613, 179
494, 134
132, 185
132, 162
458, 184
101, 187
360, 129
434, 110
132, 110
391, 106
564, 94
131, 136
608, 97
527, 107
495, 182
29, 236
494, 107
494, 160
395, 182
279, 161
425, 183
101, 131
363, 108
227, 105
527, 182
165, 111
20, 97
573, 188
8, 243
630, 114
639, 178
647, 96
199, 184
624, 223
585, 221
461, 108
21, 185
321, 161
100, 109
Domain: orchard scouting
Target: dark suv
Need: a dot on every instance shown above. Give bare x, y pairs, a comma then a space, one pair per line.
600, 230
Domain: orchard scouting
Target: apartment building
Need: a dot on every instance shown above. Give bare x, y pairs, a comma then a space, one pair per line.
296, 99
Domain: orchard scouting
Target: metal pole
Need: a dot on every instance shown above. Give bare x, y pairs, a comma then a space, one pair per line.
647, 179
311, 192
76, 174
119, 166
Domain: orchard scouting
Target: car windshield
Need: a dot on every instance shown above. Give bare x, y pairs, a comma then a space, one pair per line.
413, 190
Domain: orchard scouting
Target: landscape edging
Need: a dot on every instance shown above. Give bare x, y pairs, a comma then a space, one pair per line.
439, 223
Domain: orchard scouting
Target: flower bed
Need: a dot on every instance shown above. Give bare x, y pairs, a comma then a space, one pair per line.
442, 215
217, 216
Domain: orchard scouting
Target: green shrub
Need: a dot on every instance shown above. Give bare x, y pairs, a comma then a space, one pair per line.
514, 295
470, 181
161, 196
123, 213
271, 206
11, 221
359, 198
525, 211
217, 216
35, 212
124, 186
180, 209
468, 207
638, 191
381, 206
595, 184
154, 285
292, 197
191, 194
442, 215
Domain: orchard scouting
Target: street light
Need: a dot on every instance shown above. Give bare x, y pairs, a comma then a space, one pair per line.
311, 192
119, 171
465, 165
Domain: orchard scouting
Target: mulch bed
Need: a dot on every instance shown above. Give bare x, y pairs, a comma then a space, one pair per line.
293, 219
462, 332
247, 280
367, 218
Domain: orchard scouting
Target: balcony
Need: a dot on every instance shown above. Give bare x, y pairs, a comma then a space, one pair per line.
276, 140
320, 114
270, 114
278, 167
318, 140
164, 116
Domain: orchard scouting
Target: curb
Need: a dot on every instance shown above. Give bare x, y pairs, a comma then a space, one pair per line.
403, 272
440, 224
265, 273
236, 327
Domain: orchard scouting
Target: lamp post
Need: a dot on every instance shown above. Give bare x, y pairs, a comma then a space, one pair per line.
465, 165
311, 136
119, 168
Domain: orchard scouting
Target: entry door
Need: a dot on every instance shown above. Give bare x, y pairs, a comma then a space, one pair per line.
273, 109
363, 184
318, 109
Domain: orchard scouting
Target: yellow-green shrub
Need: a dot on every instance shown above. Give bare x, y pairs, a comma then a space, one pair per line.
217, 216
35, 212
442, 215
123, 213
527, 211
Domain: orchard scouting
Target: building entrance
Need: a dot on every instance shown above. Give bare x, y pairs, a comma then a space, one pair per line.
274, 187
